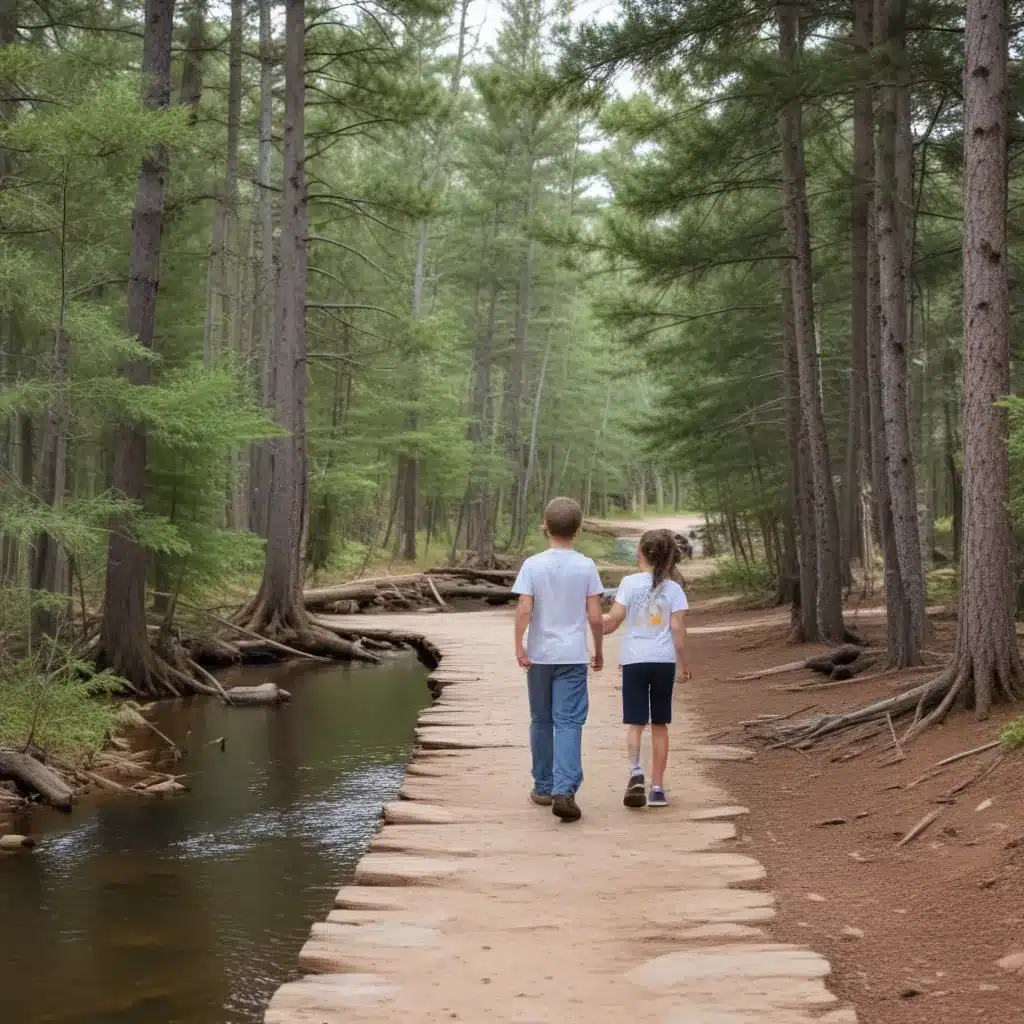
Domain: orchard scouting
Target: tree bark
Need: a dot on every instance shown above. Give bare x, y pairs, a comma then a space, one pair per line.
799, 477
826, 519
986, 661
218, 306
124, 640
191, 90
278, 608
860, 203
260, 473
892, 224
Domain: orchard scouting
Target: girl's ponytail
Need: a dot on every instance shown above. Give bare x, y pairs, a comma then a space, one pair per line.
661, 550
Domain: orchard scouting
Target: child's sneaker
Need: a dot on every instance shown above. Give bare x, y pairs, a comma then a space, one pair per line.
564, 806
657, 798
635, 796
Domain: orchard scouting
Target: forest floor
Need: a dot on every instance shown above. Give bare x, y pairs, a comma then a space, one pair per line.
914, 934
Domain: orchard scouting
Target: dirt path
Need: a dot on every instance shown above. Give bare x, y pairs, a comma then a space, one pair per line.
473, 905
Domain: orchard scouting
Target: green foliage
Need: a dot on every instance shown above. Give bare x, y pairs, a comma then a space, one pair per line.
734, 575
47, 690
1012, 735
942, 586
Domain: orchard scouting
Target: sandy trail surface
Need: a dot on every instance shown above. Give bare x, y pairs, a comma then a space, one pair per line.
474, 905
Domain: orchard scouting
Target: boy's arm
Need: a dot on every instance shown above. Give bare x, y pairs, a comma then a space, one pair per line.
595, 616
679, 642
524, 612
614, 618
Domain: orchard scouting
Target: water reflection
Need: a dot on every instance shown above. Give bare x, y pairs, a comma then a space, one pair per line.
192, 911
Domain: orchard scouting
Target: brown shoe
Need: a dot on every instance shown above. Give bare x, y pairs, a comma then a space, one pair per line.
566, 808
543, 799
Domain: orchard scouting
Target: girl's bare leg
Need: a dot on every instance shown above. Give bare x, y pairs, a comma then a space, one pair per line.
634, 735
659, 743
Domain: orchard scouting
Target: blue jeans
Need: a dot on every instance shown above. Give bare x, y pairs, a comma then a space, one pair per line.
558, 711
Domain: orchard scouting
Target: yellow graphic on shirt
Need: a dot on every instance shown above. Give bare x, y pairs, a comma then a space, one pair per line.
651, 617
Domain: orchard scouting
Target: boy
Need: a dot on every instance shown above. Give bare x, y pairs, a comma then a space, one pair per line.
559, 596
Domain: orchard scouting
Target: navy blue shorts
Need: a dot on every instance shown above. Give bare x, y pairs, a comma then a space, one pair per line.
647, 693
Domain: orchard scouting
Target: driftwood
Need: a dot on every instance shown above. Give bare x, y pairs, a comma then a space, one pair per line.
32, 776
416, 591
251, 696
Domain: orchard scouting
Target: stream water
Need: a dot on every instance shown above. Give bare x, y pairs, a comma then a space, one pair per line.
193, 910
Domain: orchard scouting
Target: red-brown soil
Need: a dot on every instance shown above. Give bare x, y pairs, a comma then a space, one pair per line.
936, 915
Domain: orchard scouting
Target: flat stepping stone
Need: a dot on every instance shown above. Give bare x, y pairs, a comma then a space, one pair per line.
394, 870
425, 918
728, 964
722, 931
425, 771
463, 738
720, 752
390, 934
359, 897
712, 906
718, 813
326, 998
409, 812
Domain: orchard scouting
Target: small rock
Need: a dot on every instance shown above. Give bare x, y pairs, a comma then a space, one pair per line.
984, 805
860, 858
1012, 962
862, 814
938, 994
831, 821
988, 883
909, 992
816, 897
13, 842
988, 987
899, 910
849, 932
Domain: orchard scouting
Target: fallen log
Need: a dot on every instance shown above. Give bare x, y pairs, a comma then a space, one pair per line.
32, 776
502, 576
251, 696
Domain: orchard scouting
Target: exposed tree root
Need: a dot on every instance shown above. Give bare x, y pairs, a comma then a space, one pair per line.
929, 702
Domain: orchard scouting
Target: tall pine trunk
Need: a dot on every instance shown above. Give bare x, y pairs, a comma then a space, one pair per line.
124, 640
860, 204
986, 663
260, 462
826, 518
278, 607
798, 469
892, 224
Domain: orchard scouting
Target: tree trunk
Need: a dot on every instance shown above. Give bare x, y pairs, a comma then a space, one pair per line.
986, 663
124, 640
191, 90
826, 519
216, 328
860, 202
798, 477
278, 608
260, 473
892, 219
49, 566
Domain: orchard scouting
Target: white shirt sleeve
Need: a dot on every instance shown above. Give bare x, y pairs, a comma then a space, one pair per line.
524, 581
677, 599
623, 594
594, 585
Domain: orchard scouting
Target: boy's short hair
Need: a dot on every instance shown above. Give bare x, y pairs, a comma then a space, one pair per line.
563, 518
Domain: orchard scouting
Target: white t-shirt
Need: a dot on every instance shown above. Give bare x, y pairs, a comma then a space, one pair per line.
649, 619
559, 580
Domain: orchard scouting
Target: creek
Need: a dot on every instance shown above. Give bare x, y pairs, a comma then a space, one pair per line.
192, 910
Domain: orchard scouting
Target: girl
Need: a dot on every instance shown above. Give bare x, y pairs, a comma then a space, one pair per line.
653, 657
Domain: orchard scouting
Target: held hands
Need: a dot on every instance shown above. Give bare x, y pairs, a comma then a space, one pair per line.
597, 662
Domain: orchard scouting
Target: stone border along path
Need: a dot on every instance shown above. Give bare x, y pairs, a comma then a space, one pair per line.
474, 905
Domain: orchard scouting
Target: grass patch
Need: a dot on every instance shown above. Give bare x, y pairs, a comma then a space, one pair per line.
1012, 735
942, 586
